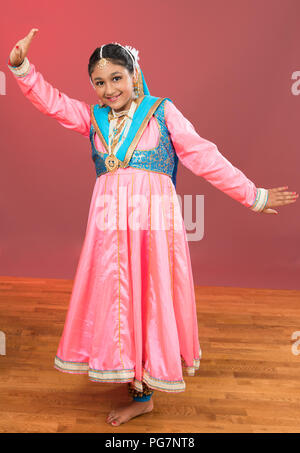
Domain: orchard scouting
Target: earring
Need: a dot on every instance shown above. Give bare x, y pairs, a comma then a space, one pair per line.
136, 89
135, 93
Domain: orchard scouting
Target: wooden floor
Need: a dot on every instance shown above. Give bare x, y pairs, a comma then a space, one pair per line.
248, 381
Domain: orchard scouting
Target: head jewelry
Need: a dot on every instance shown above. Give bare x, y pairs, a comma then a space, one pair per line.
140, 86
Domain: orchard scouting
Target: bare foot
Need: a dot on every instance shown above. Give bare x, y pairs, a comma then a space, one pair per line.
131, 410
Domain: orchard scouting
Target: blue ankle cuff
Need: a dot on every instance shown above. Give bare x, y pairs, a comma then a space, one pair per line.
143, 398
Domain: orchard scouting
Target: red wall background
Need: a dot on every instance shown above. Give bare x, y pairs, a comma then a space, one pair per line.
227, 65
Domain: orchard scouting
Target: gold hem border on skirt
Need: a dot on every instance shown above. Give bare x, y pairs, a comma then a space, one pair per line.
128, 375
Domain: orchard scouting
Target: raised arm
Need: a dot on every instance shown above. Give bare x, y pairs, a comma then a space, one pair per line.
203, 158
70, 113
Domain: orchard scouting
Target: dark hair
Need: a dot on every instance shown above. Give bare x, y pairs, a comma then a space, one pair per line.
113, 52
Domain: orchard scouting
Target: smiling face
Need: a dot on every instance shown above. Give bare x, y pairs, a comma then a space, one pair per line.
114, 86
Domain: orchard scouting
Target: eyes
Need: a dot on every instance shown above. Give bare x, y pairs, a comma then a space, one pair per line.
116, 77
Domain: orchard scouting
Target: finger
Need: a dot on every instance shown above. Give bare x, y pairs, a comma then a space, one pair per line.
288, 196
286, 193
278, 189
269, 211
31, 34
283, 203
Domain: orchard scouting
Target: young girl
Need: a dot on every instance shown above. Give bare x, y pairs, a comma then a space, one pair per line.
132, 314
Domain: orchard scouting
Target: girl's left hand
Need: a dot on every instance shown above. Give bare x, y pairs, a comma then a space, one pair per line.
279, 198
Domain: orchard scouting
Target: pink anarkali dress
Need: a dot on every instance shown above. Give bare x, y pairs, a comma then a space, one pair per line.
132, 313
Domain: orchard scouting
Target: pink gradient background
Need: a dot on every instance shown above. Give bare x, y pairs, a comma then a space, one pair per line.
226, 65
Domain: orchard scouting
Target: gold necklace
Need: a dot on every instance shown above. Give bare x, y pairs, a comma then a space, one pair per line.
117, 131
111, 161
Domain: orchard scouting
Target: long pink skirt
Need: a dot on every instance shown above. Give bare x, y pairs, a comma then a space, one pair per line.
132, 313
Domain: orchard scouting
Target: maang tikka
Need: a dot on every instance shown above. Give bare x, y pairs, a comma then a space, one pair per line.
102, 61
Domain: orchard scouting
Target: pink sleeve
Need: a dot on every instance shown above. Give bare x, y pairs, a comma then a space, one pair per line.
70, 113
203, 158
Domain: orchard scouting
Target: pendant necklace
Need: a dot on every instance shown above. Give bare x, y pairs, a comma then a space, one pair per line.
111, 161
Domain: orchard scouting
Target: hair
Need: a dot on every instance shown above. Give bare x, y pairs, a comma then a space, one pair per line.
113, 52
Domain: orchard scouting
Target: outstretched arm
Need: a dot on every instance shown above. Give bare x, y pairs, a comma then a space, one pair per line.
70, 113
203, 158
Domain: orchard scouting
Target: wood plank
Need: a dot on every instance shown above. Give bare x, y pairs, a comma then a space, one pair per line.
248, 379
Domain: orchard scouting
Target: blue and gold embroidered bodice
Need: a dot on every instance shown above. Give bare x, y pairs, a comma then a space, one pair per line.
161, 159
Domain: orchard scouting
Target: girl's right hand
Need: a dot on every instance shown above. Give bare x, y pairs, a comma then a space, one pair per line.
20, 50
